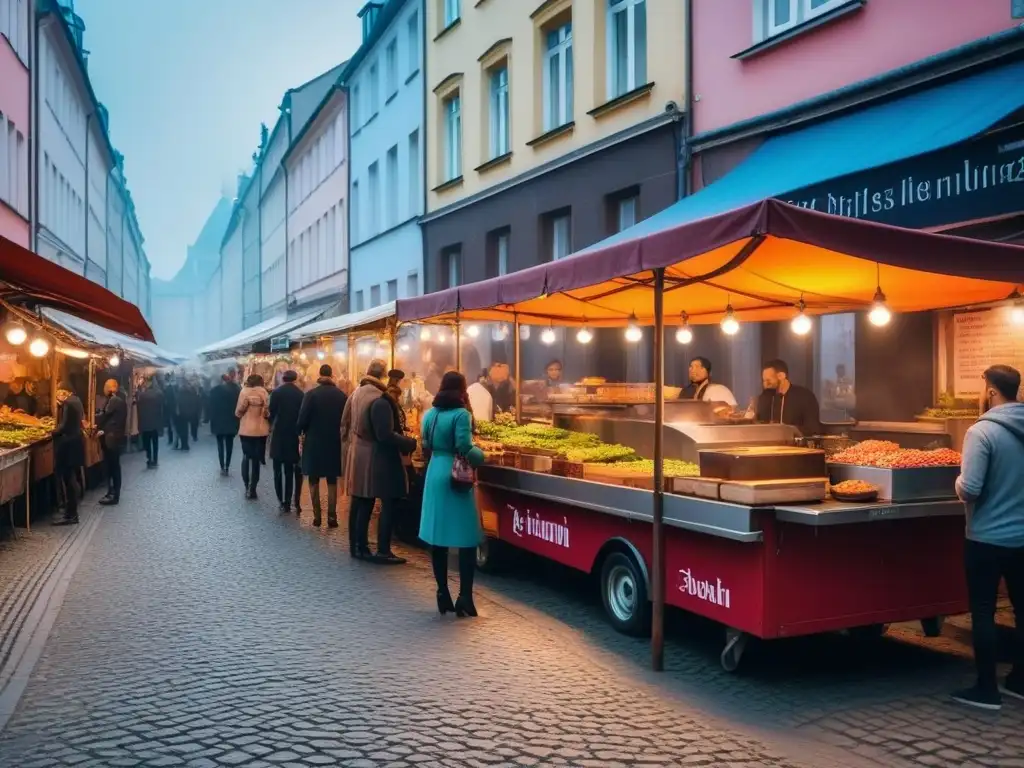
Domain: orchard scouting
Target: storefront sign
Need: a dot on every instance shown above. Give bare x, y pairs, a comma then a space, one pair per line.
981, 339
279, 344
970, 181
532, 524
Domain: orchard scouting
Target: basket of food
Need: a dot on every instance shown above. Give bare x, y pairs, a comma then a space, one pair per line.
565, 468
854, 490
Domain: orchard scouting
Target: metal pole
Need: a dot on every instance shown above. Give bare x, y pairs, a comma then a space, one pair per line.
392, 335
458, 342
518, 376
658, 548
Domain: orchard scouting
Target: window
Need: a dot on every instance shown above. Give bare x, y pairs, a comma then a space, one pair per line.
501, 250
627, 46
355, 106
627, 212
375, 295
497, 252
558, 78
499, 112
354, 213
374, 87
777, 16
391, 68
451, 12
392, 290
559, 234
359, 301
373, 200
391, 169
451, 261
412, 30
412, 284
453, 137
413, 182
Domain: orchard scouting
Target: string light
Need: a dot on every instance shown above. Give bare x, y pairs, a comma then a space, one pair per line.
684, 335
500, 332
16, 335
39, 347
633, 330
730, 325
547, 336
801, 324
879, 315
473, 331
425, 334
78, 354
115, 360
584, 335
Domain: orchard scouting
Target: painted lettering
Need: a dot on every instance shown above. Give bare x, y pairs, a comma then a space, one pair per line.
704, 589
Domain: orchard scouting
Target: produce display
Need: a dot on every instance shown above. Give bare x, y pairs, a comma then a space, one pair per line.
888, 455
852, 488
672, 467
18, 429
949, 407
9, 418
574, 446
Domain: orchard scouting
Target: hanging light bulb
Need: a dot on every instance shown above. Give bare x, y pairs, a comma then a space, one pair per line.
524, 332
879, 315
425, 334
473, 331
320, 354
39, 347
441, 338
730, 325
78, 354
499, 332
403, 347
684, 334
16, 335
114, 361
633, 331
584, 335
547, 336
801, 324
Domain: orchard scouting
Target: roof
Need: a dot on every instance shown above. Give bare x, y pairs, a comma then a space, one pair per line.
385, 16
279, 325
92, 335
372, 319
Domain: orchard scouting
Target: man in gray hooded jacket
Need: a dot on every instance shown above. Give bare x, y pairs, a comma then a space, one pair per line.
991, 484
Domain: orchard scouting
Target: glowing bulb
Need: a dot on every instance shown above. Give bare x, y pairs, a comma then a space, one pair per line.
801, 324
441, 337
16, 335
78, 354
403, 347
500, 332
879, 315
39, 347
547, 336
425, 334
524, 332
633, 331
115, 360
1017, 313
684, 335
320, 355
730, 325
473, 331
584, 335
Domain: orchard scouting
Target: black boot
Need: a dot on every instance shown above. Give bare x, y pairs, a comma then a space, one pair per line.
439, 565
66, 520
314, 499
332, 506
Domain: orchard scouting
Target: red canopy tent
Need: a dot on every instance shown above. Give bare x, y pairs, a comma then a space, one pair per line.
27, 278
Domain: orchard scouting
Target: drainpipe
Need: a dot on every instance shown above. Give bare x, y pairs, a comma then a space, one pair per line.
33, 131
284, 170
685, 126
85, 266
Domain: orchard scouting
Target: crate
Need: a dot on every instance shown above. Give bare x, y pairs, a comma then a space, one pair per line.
566, 468
42, 454
510, 459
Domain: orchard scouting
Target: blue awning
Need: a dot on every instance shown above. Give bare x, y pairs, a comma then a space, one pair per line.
869, 138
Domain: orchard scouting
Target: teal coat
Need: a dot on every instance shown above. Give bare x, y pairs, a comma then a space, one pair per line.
450, 517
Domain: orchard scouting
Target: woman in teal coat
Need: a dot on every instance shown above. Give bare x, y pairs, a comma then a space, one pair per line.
450, 517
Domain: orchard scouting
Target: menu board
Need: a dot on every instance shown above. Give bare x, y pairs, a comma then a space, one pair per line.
980, 339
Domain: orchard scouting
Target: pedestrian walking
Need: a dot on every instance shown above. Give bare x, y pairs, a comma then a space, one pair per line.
253, 429
150, 405
189, 404
69, 450
990, 486
450, 517
111, 422
285, 405
374, 467
170, 406
223, 421
196, 413
320, 425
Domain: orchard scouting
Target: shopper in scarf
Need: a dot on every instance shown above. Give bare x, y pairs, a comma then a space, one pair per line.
253, 429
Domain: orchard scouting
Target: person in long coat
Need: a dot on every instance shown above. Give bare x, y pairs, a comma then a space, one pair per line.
189, 403
69, 450
112, 421
170, 407
223, 421
150, 405
253, 428
357, 441
320, 425
285, 404
450, 517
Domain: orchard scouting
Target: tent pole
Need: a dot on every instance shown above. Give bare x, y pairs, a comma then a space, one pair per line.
518, 374
392, 333
658, 548
458, 342
351, 361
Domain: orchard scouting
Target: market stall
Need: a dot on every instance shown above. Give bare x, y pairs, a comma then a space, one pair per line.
750, 531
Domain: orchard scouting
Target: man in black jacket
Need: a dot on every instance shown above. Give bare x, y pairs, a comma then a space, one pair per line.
170, 406
189, 406
783, 402
223, 421
320, 423
284, 407
111, 422
69, 450
150, 404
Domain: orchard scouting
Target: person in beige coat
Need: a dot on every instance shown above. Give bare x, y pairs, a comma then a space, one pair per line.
253, 429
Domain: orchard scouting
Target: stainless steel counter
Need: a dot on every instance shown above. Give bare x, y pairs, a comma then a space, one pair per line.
715, 518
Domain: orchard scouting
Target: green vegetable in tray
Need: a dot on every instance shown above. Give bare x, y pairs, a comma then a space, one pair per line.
672, 467
599, 453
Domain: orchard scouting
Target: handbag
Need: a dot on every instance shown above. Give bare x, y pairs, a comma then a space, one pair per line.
463, 476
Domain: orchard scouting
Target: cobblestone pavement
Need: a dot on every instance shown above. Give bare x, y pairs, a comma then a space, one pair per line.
203, 630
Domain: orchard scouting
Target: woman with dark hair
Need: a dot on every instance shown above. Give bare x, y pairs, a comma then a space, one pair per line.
450, 517
253, 429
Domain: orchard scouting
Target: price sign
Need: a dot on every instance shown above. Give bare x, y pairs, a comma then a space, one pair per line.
980, 339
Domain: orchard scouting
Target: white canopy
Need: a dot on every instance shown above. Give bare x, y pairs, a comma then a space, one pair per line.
91, 334
280, 325
371, 319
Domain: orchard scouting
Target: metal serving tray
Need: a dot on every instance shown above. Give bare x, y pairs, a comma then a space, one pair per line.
897, 485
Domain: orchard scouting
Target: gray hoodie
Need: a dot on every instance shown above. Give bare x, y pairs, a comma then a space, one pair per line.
991, 477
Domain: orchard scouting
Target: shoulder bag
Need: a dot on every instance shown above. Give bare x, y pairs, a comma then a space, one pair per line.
463, 474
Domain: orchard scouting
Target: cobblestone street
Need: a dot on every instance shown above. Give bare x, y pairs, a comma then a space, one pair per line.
203, 630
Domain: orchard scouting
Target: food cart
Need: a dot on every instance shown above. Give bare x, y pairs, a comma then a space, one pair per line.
745, 532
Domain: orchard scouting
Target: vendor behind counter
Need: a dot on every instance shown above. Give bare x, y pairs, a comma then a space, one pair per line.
783, 402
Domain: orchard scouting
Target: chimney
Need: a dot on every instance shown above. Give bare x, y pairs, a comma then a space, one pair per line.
369, 16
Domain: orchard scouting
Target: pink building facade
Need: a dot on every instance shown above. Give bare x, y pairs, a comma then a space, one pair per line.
15, 26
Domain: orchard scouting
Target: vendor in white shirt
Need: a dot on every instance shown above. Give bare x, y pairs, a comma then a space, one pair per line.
481, 403
702, 388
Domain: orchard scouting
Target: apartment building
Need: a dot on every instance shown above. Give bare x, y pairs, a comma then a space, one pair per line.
386, 91
15, 85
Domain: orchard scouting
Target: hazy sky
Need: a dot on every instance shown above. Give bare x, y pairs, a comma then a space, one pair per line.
187, 83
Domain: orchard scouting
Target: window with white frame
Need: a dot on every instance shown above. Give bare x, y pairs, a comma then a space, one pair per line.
558, 77
453, 266
413, 181
501, 252
412, 284
356, 108
373, 199
453, 137
391, 68
374, 88
500, 143
627, 212
392, 290
627, 46
412, 31
375, 295
452, 12
561, 236
391, 215
778, 16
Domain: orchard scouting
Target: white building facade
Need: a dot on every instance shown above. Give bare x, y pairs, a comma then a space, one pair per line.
317, 172
385, 85
272, 219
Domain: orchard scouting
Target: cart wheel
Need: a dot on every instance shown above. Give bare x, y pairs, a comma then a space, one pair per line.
489, 555
932, 626
624, 594
868, 633
735, 645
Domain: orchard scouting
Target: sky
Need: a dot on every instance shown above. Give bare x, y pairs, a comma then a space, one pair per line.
187, 83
